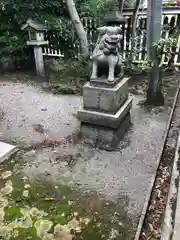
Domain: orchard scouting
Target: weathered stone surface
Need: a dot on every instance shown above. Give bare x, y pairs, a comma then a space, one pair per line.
106, 57
102, 82
103, 137
105, 119
105, 99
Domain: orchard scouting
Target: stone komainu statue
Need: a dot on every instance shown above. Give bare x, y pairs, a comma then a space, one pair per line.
106, 57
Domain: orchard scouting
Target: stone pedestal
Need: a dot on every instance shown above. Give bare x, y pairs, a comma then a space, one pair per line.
38, 56
105, 114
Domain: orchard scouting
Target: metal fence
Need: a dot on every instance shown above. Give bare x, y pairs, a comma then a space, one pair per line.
170, 19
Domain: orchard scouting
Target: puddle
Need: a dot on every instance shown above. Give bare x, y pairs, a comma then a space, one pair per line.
39, 210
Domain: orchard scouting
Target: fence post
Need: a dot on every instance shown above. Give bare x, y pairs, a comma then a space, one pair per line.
39, 61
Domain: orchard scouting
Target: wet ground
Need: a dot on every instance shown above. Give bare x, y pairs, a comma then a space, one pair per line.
109, 188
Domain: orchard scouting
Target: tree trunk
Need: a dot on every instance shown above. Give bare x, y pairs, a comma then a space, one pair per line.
154, 92
120, 5
79, 27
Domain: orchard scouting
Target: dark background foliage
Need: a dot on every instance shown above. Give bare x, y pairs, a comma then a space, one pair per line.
14, 13
53, 13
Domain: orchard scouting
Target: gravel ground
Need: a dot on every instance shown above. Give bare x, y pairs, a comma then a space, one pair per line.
30, 115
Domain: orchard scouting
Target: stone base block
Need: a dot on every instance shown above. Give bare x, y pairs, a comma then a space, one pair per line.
103, 137
102, 82
105, 119
105, 99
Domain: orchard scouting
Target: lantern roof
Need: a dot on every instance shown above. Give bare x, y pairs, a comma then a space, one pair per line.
114, 15
33, 25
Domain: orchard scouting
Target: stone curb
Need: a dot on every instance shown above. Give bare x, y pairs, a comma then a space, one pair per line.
176, 220
148, 195
167, 229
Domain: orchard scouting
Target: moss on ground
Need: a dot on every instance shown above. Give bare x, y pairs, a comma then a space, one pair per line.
39, 210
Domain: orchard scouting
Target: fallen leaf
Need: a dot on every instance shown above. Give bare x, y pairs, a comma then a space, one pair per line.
49, 199
6, 174
8, 188
62, 232
42, 227
151, 227
25, 193
27, 186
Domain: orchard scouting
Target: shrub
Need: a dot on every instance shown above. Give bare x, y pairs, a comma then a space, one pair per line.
15, 13
68, 76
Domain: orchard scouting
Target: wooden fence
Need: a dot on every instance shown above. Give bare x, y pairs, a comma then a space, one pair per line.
170, 20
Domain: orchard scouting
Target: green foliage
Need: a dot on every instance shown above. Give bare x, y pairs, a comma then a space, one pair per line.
98, 8
163, 46
68, 76
14, 14
12, 213
166, 46
131, 66
52, 13
137, 68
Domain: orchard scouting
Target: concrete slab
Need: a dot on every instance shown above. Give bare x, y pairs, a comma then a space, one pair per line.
176, 234
6, 150
172, 196
105, 119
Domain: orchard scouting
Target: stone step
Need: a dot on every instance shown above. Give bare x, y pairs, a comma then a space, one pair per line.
6, 150
105, 119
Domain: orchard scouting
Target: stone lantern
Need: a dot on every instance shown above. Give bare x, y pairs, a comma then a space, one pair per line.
114, 17
36, 39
